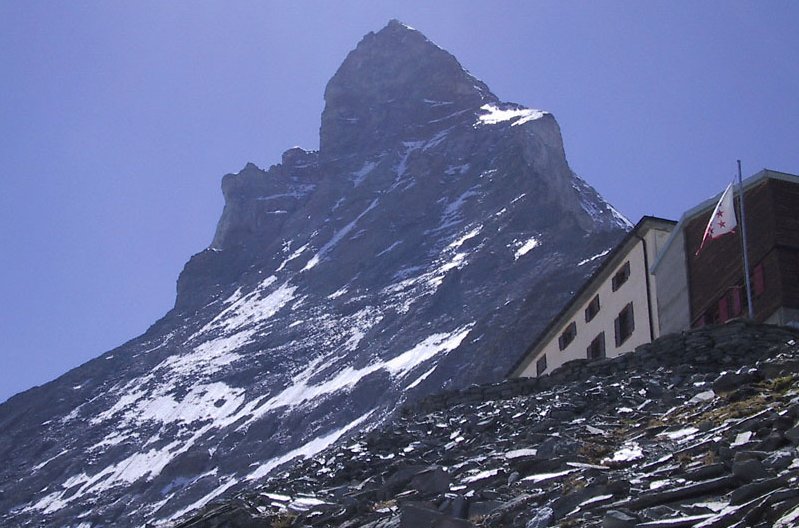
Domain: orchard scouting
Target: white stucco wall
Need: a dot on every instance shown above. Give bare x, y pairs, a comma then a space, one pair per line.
611, 304
655, 242
671, 278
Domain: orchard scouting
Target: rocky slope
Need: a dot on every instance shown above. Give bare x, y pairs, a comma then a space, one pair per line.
699, 429
422, 247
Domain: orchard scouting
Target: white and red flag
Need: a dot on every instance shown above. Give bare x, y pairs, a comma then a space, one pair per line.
722, 221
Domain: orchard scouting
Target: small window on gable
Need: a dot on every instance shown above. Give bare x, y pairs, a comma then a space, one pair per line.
567, 336
541, 365
596, 350
624, 324
621, 276
592, 309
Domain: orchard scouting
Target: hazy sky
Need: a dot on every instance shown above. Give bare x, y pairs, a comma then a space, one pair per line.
119, 119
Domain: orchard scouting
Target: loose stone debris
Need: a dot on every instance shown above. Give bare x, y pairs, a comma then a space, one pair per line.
696, 429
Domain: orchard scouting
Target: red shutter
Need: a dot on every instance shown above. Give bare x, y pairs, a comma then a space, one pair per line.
737, 305
758, 280
723, 311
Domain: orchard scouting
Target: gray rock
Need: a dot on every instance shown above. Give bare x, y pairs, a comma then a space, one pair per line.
792, 434
431, 481
729, 381
452, 522
618, 519
419, 515
542, 518
749, 469
758, 488
779, 460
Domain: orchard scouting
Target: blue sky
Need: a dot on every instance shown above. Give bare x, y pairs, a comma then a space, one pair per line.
119, 119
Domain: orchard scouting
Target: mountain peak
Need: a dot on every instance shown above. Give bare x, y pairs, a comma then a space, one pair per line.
395, 24
423, 247
398, 77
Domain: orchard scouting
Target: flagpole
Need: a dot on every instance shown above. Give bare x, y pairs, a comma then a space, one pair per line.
747, 281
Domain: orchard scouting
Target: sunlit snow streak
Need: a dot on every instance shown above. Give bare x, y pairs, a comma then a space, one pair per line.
291, 257
591, 259
302, 389
360, 175
421, 378
308, 449
337, 237
219, 490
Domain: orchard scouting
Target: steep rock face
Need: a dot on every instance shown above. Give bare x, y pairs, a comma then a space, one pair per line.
423, 247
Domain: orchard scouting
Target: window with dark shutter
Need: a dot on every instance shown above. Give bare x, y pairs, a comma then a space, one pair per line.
592, 309
567, 336
758, 280
723, 311
541, 365
624, 324
736, 302
621, 276
596, 350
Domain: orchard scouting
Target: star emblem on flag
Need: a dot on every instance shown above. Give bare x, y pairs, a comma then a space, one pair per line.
722, 220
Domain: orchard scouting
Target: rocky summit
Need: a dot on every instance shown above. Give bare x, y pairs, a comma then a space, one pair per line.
422, 248
699, 429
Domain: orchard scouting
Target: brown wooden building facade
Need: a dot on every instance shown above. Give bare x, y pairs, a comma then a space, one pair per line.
714, 279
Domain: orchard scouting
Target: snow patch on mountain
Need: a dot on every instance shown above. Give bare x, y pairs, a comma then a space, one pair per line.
252, 308
458, 242
494, 115
524, 247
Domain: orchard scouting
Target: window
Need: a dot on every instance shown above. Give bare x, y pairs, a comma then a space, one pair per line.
625, 324
735, 302
621, 276
710, 317
567, 336
592, 309
596, 350
758, 280
723, 310
541, 365
730, 305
